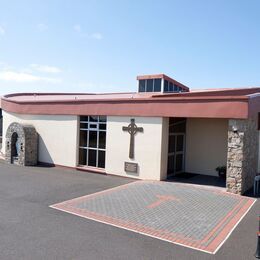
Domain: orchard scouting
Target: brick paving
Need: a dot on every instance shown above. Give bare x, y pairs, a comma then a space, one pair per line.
189, 215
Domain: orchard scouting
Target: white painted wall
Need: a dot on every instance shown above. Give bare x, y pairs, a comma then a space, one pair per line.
148, 146
206, 145
57, 136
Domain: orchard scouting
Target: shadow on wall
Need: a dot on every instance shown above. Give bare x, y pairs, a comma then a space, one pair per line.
44, 155
50, 118
145, 120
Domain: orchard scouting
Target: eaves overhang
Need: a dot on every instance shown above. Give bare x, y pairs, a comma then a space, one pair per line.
152, 106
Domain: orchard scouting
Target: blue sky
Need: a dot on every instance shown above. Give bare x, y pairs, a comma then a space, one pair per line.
101, 45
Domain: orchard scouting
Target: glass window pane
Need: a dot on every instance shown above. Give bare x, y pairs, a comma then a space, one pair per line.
101, 159
93, 126
142, 85
157, 85
102, 140
179, 128
177, 125
166, 87
180, 143
92, 158
92, 139
171, 164
82, 156
84, 125
102, 126
170, 87
171, 144
174, 120
93, 118
102, 118
83, 139
171, 129
149, 87
83, 118
179, 162
171, 120
175, 88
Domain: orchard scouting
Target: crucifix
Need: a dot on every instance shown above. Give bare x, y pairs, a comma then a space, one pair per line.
132, 129
161, 199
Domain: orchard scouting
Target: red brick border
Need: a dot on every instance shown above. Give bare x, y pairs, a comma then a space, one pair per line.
210, 243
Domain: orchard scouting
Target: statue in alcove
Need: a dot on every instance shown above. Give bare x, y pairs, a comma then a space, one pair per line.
18, 150
14, 146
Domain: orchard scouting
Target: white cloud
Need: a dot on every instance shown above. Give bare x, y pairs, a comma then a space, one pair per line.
2, 30
45, 68
22, 77
5, 66
42, 27
97, 36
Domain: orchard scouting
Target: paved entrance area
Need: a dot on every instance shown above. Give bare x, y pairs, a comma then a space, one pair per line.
197, 217
31, 230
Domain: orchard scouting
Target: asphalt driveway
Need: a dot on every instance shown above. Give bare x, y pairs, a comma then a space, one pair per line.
30, 229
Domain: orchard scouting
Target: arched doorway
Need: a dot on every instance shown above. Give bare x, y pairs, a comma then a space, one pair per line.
21, 145
14, 147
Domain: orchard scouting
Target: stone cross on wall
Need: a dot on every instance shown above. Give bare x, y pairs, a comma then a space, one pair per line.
132, 129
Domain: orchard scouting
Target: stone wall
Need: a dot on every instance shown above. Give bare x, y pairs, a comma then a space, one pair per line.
26, 145
242, 155
31, 146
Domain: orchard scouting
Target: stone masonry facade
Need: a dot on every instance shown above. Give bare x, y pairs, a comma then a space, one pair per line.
242, 157
26, 145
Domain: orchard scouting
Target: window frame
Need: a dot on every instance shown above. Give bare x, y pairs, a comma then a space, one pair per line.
87, 148
164, 88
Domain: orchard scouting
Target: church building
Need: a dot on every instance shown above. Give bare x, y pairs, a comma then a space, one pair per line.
160, 131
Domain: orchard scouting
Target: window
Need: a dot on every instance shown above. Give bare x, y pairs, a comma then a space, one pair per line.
92, 141
176, 145
141, 85
177, 125
166, 86
157, 85
170, 87
149, 85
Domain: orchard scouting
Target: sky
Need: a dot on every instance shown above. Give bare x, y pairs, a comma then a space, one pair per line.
101, 45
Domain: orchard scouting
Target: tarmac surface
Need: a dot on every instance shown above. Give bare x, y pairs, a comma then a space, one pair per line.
30, 229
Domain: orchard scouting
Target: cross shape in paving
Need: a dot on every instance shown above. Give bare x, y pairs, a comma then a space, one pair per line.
192, 216
132, 129
161, 199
